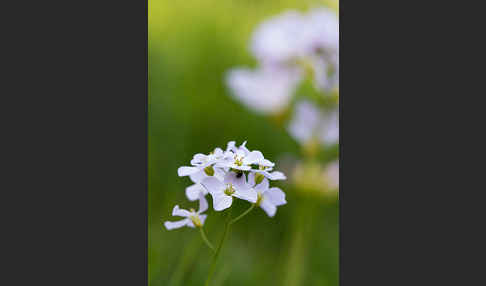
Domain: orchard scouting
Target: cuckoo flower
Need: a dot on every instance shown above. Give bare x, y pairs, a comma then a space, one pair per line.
191, 217
267, 198
233, 185
202, 165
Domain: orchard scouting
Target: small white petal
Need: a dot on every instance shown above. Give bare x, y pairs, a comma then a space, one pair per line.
202, 217
263, 186
253, 157
192, 192
198, 176
169, 225
203, 204
268, 207
199, 159
238, 182
218, 152
276, 196
251, 179
213, 185
246, 194
180, 212
241, 168
190, 223
266, 163
186, 171
265, 90
221, 201
243, 147
305, 121
276, 175
231, 146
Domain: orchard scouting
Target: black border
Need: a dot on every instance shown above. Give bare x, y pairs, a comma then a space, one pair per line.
77, 152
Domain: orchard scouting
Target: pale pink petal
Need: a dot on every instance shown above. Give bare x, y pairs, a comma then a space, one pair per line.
268, 207
180, 212
186, 171
276, 196
169, 225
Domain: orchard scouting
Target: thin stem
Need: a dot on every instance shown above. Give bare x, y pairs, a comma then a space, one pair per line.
243, 214
218, 250
205, 239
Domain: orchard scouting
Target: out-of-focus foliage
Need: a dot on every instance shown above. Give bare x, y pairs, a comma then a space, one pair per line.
192, 44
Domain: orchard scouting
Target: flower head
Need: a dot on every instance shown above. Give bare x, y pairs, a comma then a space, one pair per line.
191, 217
241, 159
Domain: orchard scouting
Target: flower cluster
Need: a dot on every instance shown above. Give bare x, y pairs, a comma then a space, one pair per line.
289, 48
235, 173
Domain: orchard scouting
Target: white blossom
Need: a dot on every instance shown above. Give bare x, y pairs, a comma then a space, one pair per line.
303, 40
332, 174
201, 163
191, 217
242, 159
309, 122
267, 89
233, 185
267, 198
192, 192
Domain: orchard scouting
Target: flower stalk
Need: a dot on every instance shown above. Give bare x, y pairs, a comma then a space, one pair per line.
218, 250
243, 214
205, 239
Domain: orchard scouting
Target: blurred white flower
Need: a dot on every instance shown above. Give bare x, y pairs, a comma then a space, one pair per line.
308, 41
329, 128
233, 185
332, 175
266, 90
267, 198
192, 218
280, 39
308, 122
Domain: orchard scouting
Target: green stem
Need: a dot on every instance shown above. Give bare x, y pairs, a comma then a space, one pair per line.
243, 214
205, 239
218, 250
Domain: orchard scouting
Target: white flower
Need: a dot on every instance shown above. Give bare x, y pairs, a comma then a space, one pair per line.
266, 90
192, 192
201, 163
267, 173
192, 218
302, 41
240, 158
267, 198
242, 152
233, 185
322, 32
332, 174
329, 128
280, 39
309, 122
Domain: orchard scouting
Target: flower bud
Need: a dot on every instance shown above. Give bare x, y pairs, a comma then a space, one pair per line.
209, 171
258, 178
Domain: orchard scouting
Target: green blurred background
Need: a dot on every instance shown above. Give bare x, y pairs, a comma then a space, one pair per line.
192, 44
